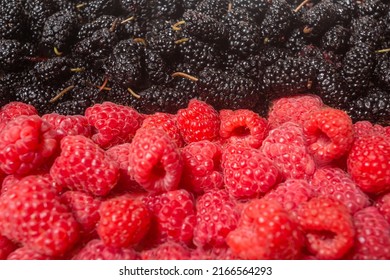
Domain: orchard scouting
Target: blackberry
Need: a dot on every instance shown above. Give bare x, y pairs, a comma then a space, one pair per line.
167, 9
8, 82
375, 8
271, 54
136, 8
319, 18
53, 71
157, 68
71, 107
367, 30
118, 95
237, 15
188, 87
213, 8
251, 67
296, 40
10, 54
95, 8
244, 38
37, 96
382, 69
86, 30
11, 19
37, 12
336, 39
256, 7
345, 11
130, 29
190, 4
162, 38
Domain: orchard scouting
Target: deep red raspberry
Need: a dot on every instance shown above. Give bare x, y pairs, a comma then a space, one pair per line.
287, 148
337, 184
291, 193
96, 250
167, 251
202, 166
293, 109
123, 221
265, 231
84, 208
244, 126
25, 253
329, 134
69, 125
114, 124
328, 227
32, 214
218, 253
372, 235
26, 143
362, 128
369, 163
6, 247
155, 161
84, 166
173, 217
15, 109
247, 172
167, 122
199, 121
383, 205
216, 216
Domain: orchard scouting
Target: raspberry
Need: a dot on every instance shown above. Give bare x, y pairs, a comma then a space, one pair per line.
15, 109
368, 163
24, 253
329, 134
363, 128
167, 251
247, 172
293, 109
337, 184
287, 148
328, 227
168, 123
202, 169
216, 216
26, 142
96, 250
218, 253
41, 223
155, 161
173, 217
242, 125
265, 231
84, 208
6, 247
291, 193
199, 121
83, 166
123, 221
383, 205
68, 125
114, 124
372, 235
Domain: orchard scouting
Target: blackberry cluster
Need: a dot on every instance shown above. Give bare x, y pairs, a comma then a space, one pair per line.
158, 54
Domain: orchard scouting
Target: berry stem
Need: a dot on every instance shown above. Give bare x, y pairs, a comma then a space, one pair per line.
81, 5
57, 52
307, 30
140, 40
180, 41
383, 50
300, 6
184, 75
62, 92
132, 92
176, 26
103, 86
127, 20
77, 69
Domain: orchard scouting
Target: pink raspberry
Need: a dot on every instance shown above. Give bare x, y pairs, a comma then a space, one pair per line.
293, 109
113, 124
25, 253
6, 247
216, 216
84, 166
337, 184
217, 253
247, 172
329, 134
244, 126
41, 222
68, 125
265, 231
362, 128
383, 205
15, 109
199, 121
202, 166
155, 161
287, 148
167, 251
26, 143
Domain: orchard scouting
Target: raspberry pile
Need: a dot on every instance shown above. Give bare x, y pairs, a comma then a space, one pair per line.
200, 183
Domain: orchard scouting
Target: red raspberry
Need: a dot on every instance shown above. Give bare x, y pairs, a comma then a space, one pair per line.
32, 214
337, 184
202, 169
155, 161
114, 124
383, 205
123, 221
173, 217
244, 126
265, 231
329, 134
293, 109
26, 143
167, 122
247, 172
6, 247
68, 125
83, 166
372, 235
328, 227
15, 109
216, 216
218, 253
84, 208
363, 128
96, 250
167, 251
291, 193
199, 121
369, 163
286, 147
25, 253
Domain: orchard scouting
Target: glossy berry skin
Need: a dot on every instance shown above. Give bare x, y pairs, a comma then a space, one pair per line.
83, 166
167, 251
68, 125
155, 161
123, 221
383, 205
42, 223
14, 109
6, 247
265, 231
25, 253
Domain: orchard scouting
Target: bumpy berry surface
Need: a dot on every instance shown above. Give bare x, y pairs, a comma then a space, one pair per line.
167, 251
